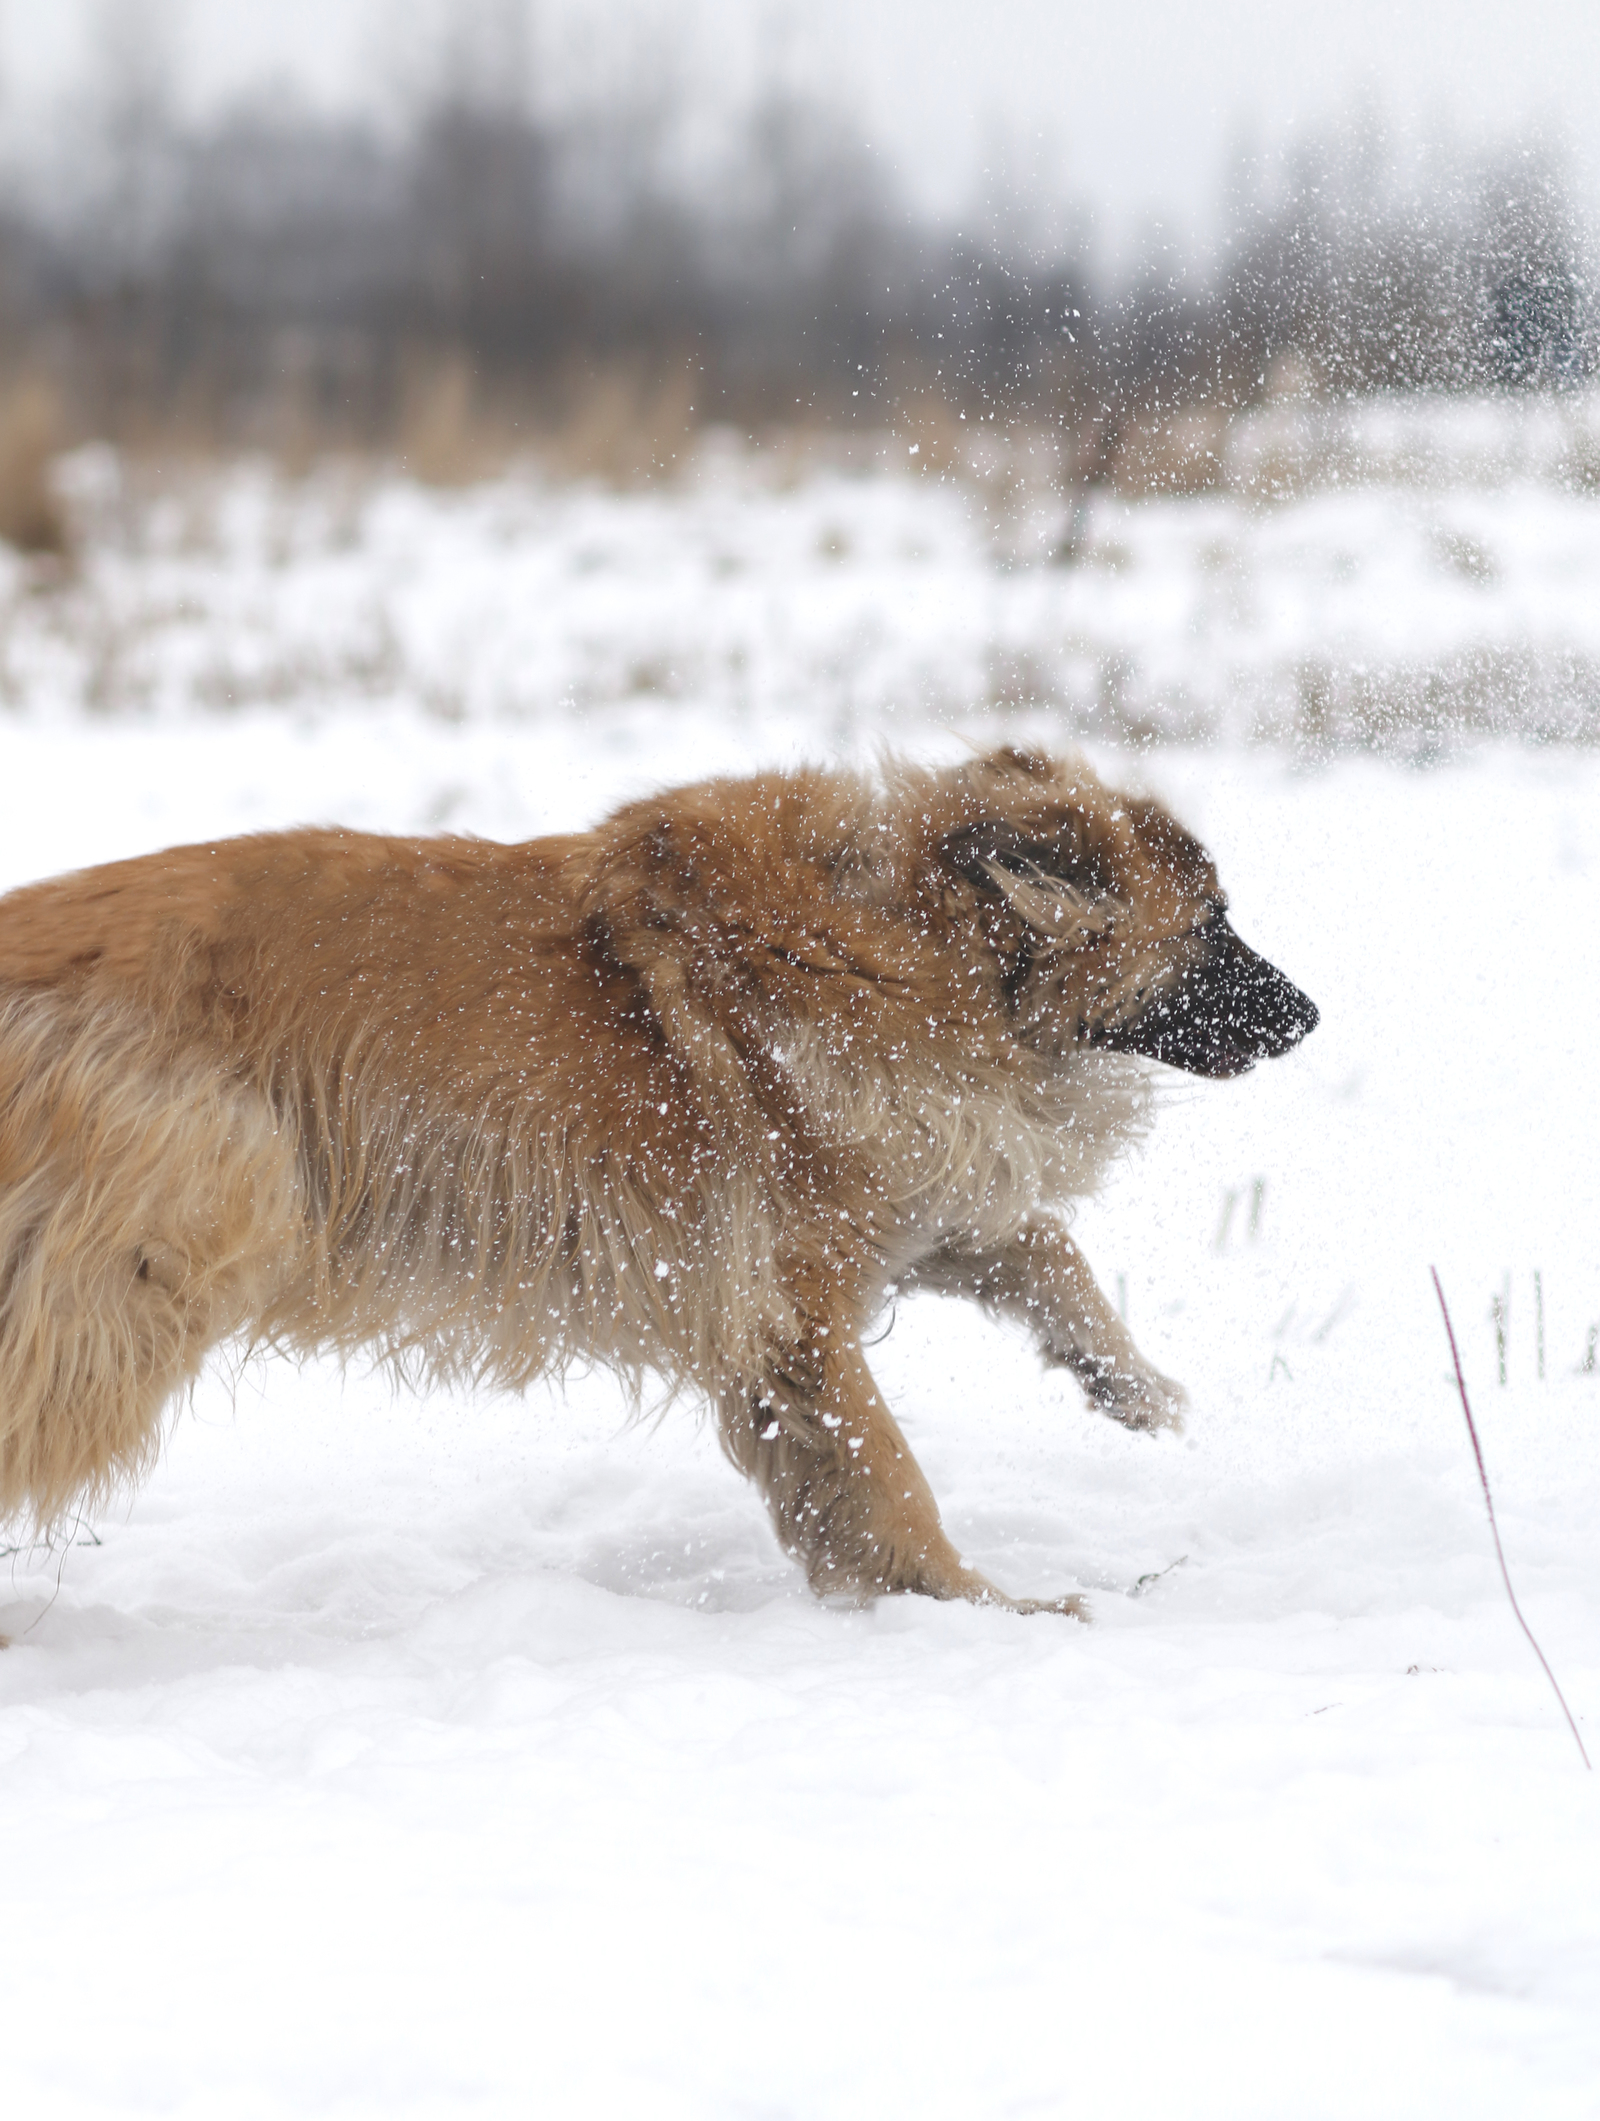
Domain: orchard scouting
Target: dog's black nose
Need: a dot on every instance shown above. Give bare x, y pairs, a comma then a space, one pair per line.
1253, 1012
1281, 1016
1229, 1010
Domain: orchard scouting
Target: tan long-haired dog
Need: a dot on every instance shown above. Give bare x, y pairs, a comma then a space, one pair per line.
685, 1094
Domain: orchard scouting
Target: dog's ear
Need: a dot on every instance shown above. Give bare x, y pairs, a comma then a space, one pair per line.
1057, 892
977, 851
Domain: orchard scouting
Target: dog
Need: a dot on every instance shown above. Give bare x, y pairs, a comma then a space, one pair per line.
687, 1095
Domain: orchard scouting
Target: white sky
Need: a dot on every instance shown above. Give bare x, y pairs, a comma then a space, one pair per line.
1129, 104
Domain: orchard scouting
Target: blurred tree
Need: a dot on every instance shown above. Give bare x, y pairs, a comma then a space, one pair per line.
277, 273
1533, 306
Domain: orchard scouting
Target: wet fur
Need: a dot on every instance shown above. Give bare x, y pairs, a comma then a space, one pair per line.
685, 1095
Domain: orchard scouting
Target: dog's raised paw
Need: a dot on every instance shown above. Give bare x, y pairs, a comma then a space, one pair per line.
1140, 1400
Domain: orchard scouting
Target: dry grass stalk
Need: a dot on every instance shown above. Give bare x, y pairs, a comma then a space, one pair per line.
31, 434
1182, 453
445, 436
1500, 1553
622, 422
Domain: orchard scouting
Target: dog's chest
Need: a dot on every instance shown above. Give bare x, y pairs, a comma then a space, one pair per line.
943, 1156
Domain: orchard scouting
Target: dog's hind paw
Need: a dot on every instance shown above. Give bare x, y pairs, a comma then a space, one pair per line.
1074, 1607
986, 1593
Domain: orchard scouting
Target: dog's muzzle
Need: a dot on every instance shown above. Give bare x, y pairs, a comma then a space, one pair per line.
1226, 1012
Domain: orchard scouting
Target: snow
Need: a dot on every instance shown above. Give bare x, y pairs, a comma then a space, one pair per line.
392, 1755
1296, 604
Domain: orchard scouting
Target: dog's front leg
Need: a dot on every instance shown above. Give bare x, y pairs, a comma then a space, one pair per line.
848, 1499
1041, 1278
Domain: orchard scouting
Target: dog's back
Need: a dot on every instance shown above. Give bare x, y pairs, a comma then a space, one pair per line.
292, 920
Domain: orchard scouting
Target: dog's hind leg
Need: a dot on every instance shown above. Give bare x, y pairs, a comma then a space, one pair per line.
847, 1497
148, 1209
1041, 1278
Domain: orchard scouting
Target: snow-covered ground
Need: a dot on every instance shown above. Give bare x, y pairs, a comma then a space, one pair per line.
1417, 579
411, 1757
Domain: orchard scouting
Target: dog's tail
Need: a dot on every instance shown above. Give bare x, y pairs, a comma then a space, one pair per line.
148, 1208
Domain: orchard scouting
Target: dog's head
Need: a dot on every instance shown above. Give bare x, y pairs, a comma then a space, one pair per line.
1109, 923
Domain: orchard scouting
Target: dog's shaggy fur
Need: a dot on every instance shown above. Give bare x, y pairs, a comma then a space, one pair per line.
686, 1094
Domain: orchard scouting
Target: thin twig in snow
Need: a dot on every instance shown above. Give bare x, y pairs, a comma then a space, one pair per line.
1505, 1573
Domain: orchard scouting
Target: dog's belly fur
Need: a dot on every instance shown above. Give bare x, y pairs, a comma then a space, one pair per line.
684, 1096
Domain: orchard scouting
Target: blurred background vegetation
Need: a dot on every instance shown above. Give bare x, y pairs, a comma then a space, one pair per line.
483, 276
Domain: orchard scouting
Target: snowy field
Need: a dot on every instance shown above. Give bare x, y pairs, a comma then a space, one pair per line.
1390, 580
460, 1755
